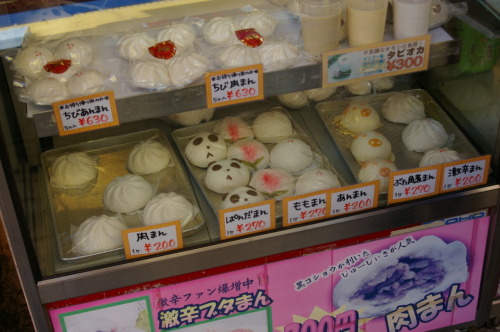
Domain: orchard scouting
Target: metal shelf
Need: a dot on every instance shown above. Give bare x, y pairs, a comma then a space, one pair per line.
158, 104
266, 244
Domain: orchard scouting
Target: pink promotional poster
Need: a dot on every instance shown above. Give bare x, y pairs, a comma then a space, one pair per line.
418, 281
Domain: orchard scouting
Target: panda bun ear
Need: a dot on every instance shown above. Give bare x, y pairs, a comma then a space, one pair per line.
210, 164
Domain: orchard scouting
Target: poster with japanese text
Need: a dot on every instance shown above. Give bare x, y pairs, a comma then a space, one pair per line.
396, 57
418, 281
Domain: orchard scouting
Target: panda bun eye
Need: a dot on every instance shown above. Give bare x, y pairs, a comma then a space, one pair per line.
213, 137
252, 192
234, 198
235, 165
197, 140
216, 167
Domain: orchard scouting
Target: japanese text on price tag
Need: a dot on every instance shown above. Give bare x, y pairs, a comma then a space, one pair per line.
354, 198
414, 183
304, 208
376, 60
86, 113
248, 219
233, 86
143, 241
465, 173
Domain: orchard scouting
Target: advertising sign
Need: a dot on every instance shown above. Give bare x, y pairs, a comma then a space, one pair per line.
418, 281
395, 57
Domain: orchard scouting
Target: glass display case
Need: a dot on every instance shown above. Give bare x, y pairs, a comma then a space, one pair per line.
43, 209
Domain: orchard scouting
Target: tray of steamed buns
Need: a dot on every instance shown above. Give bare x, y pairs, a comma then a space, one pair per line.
99, 188
392, 131
254, 156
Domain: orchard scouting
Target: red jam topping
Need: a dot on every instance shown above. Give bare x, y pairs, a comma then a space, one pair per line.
57, 66
164, 50
249, 37
249, 152
272, 181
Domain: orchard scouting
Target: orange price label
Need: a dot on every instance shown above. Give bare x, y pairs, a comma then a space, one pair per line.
465, 173
390, 58
354, 198
149, 240
247, 219
86, 113
414, 183
304, 208
235, 85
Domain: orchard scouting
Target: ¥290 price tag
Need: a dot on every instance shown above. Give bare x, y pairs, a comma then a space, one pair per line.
86, 113
354, 198
390, 58
304, 208
149, 240
413, 183
465, 173
247, 219
234, 86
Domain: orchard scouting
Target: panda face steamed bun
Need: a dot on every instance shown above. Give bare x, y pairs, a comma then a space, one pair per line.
225, 175
241, 196
205, 148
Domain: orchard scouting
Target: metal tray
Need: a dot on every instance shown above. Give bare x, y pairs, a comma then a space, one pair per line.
71, 207
405, 159
183, 135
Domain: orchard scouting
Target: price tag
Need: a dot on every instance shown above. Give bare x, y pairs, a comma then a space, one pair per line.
247, 219
361, 63
465, 173
149, 240
304, 208
414, 183
86, 113
354, 198
234, 86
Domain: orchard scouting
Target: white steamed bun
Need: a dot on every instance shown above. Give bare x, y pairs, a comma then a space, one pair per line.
166, 207
424, 135
127, 194
98, 234
73, 170
148, 157
403, 108
314, 180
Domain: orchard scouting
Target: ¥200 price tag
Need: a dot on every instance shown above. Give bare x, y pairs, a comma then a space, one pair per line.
234, 86
149, 240
304, 208
247, 219
465, 173
86, 113
354, 198
413, 183
390, 58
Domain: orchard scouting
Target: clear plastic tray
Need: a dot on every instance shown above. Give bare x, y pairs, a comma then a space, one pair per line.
183, 135
71, 207
405, 159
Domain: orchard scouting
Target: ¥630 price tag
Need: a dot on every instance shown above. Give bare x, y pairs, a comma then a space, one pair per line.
86, 113
304, 208
354, 198
247, 219
149, 240
465, 173
376, 60
414, 183
233, 86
